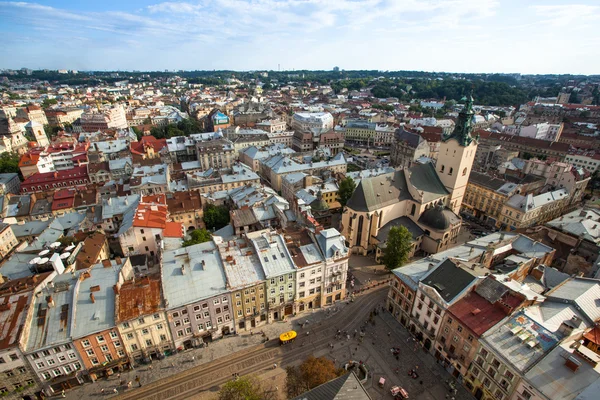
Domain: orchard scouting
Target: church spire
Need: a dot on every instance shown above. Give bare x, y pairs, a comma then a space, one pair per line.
464, 124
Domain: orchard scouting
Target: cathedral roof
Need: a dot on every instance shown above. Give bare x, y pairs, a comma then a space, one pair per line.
438, 218
425, 179
379, 191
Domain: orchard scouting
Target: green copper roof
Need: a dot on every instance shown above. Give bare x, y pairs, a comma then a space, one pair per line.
464, 124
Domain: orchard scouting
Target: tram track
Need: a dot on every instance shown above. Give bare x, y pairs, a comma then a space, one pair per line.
263, 356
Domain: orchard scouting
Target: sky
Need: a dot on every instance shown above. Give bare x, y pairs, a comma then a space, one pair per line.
508, 36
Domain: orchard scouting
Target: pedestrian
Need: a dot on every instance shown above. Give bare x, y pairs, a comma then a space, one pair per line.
115, 391
129, 384
389, 334
274, 366
172, 365
63, 393
119, 376
193, 358
150, 367
102, 391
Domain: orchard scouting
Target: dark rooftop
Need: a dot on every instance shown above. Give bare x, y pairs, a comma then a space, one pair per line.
448, 280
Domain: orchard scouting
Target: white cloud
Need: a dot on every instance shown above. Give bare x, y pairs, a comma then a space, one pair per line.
374, 34
174, 7
565, 15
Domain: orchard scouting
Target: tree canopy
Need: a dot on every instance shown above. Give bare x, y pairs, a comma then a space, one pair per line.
346, 189
310, 374
245, 388
9, 162
216, 217
182, 128
197, 236
398, 246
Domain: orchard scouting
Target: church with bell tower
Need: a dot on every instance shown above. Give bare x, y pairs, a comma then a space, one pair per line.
425, 198
456, 156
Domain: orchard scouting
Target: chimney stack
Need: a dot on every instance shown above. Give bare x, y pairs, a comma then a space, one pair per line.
92, 298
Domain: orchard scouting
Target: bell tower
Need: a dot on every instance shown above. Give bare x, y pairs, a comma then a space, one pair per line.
456, 156
36, 130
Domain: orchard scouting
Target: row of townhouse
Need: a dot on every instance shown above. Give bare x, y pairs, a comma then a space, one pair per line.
63, 329
519, 331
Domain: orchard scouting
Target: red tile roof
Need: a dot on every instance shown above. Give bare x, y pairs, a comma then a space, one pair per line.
69, 177
593, 335
478, 314
156, 144
150, 216
138, 298
525, 141
28, 160
173, 229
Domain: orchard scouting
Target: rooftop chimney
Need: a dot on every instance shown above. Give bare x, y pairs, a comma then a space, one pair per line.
92, 298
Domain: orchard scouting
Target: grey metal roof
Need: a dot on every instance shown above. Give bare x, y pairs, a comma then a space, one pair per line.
412, 139
491, 290
346, 387
553, 379
426, 180
581, 222
17, 266
33, 228
379, 191
438, 218
91, 317
412, 227
486, 181
582, 292
330, 241
272, 253
192, 273
51, 324
240, 262
515, 351
449, 280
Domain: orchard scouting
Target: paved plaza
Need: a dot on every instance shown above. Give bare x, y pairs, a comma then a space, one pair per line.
381, 334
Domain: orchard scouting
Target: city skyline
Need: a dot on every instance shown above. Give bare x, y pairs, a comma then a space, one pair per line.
461, 36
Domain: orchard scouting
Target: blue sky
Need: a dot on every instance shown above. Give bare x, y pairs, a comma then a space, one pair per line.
527, 36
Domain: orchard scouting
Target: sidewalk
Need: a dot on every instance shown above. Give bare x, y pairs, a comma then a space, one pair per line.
187, 359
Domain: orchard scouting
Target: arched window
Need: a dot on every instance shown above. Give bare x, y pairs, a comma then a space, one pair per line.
450, 171
413, 210
464, 172
359, 230
442, 169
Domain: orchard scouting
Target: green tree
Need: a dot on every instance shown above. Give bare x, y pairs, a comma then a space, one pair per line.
245, 388
48, 102
310, 374
9, 162
197, 236
137, 132
216, 217
346, 189
397, 247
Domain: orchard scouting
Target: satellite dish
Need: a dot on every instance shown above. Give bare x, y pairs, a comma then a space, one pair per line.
65, 255
44, 252
43, 260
